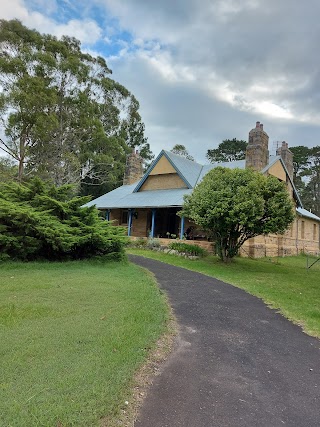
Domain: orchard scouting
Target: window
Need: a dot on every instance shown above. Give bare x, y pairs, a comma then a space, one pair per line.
314, 231
302, 229
124, 217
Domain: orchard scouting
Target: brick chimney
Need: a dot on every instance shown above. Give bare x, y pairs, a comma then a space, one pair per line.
287, 157
134, 168
257, 153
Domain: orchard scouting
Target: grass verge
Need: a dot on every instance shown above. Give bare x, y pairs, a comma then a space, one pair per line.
72, 336
283, 283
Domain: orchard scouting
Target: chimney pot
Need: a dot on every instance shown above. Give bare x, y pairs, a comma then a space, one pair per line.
261, 126
257, 124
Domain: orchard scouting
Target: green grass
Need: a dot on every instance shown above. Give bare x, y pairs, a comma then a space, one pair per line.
72, 336
283, 283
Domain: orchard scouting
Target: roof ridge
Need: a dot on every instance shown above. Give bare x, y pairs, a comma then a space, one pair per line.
182, 157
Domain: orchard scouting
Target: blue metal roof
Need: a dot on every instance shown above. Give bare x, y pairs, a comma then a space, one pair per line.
304, 212
241, 164
124, 197
129, 196
188, 170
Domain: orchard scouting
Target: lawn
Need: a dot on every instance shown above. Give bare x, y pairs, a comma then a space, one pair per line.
72, 336
283, 283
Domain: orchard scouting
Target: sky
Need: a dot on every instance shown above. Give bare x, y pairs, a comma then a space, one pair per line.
202, 70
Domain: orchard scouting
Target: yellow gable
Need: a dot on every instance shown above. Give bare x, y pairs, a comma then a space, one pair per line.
278, 171
163, 167
163, 177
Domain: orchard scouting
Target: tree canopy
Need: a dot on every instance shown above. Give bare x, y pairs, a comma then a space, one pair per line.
181, 151
228, 151
63, 117
234, 205
306, 175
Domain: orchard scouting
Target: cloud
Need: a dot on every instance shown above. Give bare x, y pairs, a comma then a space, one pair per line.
257, 52
86, 30
202, 71
206, 72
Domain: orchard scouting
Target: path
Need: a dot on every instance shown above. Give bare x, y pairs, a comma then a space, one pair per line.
238, 363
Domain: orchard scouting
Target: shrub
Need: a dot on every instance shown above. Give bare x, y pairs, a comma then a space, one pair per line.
193, 250
41, 221
138, 243
153, 243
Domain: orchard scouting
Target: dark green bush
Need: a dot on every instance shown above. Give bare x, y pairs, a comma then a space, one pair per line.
41, 221
193, 250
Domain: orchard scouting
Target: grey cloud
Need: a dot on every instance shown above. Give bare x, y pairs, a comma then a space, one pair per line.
257, 50
262, 43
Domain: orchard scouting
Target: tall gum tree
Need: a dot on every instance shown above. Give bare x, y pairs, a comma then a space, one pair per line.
61, 113
306, 175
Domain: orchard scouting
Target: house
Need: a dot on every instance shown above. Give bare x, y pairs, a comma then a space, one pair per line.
147, 203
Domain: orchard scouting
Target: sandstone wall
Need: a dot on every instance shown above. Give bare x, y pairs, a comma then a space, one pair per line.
163, 182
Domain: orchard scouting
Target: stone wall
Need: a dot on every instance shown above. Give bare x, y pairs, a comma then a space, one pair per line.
287, 157
163, 182
134, 168
302, 237
115, 216
165, 242
142, 224
257, 153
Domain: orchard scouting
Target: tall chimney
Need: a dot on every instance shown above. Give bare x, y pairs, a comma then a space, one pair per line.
287, 157
257, 153
134, 168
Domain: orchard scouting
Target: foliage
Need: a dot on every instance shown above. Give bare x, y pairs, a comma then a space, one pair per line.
72, 336
181, 151
153, 243
41, 221
137, 243
228, 151
235, 205
8, 170
194, 250
63, 117
306, 176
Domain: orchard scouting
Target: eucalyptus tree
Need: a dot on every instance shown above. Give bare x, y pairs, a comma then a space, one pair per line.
61, 113
306, 175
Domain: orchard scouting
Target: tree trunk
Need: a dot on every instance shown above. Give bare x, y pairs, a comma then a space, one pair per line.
22, 154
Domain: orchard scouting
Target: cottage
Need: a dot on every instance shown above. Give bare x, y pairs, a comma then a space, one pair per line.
147, 204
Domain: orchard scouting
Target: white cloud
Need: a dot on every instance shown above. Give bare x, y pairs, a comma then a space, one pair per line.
86, 30
203, 70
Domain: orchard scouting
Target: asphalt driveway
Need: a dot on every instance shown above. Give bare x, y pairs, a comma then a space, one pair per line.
236, 362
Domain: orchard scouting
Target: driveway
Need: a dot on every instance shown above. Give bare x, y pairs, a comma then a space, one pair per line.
236, 362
